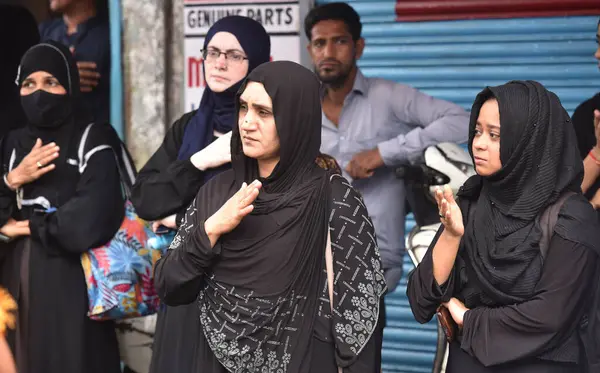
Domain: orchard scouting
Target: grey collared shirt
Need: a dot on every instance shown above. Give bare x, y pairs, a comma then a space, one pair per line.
401, 122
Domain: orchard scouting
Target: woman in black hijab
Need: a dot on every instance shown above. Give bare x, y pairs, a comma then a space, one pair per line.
518, 310
51, 211
195, 149
253, 243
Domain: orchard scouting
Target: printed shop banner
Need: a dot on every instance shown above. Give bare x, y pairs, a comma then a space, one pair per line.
281, 19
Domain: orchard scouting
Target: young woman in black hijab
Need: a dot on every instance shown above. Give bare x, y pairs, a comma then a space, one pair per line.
253, 245
52, 213
195, 149
518, 311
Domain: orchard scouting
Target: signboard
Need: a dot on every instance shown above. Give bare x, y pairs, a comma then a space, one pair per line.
281, 19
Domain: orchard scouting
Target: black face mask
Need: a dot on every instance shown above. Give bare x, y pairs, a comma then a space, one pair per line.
44, 109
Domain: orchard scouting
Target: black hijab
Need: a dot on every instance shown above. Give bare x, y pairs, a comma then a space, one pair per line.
18, 33
51, 116
283, 240
540, 162
217, 110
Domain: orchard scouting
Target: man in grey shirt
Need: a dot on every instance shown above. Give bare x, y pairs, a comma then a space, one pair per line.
371, 126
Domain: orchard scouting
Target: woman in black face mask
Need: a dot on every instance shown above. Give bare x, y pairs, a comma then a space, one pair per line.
51, 211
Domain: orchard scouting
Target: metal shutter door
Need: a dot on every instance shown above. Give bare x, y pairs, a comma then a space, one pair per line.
454, 60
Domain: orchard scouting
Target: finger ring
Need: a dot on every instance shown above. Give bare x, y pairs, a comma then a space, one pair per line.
39, 164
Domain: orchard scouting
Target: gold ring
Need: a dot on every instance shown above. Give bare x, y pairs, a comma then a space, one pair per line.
39, 164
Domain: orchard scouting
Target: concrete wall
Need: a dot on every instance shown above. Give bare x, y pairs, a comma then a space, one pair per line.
144, 75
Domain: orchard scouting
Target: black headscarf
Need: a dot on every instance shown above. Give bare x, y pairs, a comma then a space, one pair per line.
18, 32
540, 162
52, 117
217, 110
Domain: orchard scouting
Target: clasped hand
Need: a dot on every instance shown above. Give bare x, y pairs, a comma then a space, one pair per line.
457, 310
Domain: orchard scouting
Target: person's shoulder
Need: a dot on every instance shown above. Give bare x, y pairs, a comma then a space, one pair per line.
103, 128
99, 133
12, 136
577, 207
384, 88
586, 108
49, 27
578, 222
342, 190
178, 127
592, 101
98, 31
185, 119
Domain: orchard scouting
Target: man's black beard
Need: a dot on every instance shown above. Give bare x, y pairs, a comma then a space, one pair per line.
335, 82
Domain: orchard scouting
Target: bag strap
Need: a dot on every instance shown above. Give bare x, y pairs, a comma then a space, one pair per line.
127, 176
548, 221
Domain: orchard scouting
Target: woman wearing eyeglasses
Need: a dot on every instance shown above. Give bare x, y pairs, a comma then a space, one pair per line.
196, 148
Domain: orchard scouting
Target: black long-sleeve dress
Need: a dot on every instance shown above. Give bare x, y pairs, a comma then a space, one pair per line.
179, 277
538, 335
43, 271
166, 186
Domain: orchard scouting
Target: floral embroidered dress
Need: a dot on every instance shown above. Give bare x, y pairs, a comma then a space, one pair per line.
352, 329
261, 288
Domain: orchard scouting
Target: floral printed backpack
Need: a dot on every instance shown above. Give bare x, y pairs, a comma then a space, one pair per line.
119, 274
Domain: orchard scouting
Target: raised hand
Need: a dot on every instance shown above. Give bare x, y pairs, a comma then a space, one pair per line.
34, 165
450, 214
232, 212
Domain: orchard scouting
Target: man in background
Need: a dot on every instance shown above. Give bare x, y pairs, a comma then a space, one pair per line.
371, 126
84, 28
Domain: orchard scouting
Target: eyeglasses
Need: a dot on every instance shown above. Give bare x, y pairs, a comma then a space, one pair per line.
211, 55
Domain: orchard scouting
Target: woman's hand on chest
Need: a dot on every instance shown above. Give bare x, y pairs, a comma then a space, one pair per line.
35, 164
229, 216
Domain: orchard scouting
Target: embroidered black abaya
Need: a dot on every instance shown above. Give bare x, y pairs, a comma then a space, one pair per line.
263, 295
